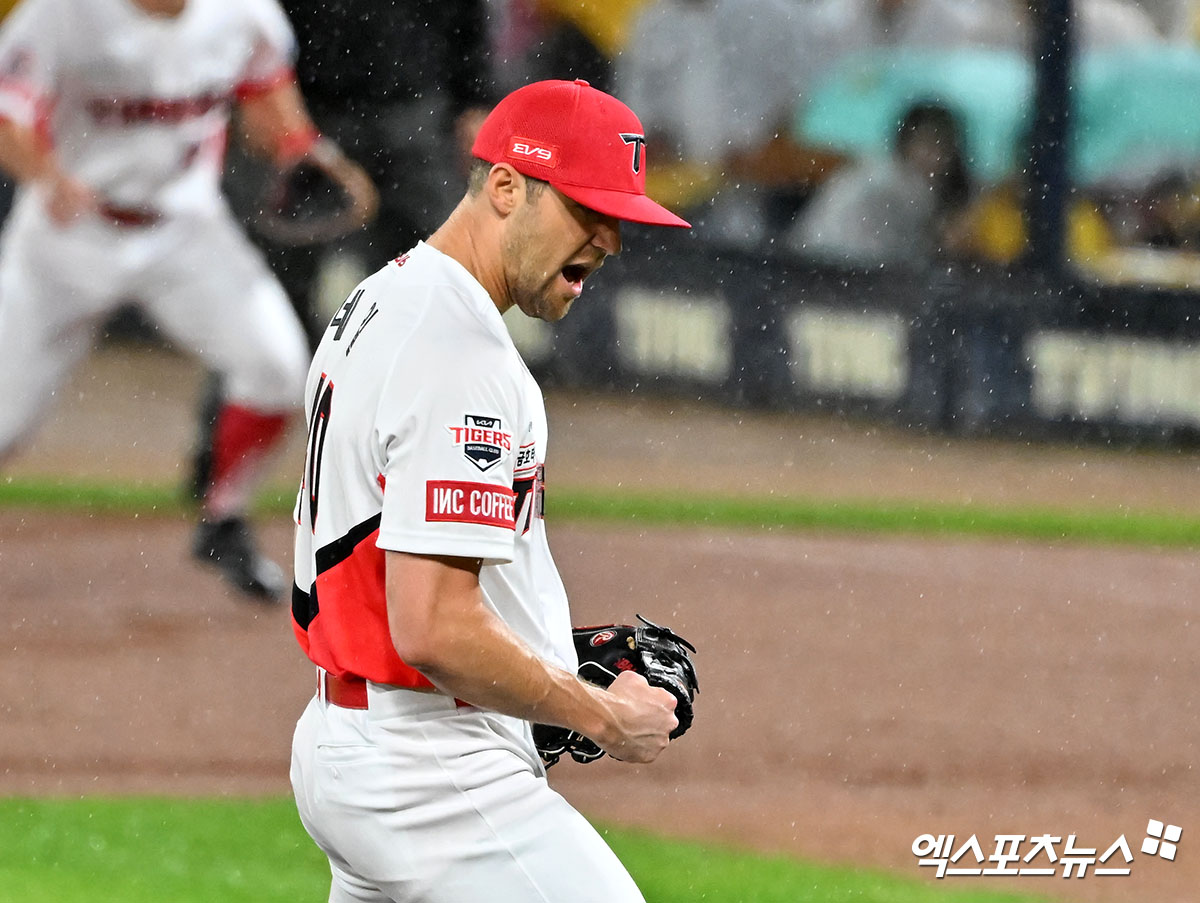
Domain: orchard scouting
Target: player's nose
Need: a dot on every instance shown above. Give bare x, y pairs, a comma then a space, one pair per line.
607, 236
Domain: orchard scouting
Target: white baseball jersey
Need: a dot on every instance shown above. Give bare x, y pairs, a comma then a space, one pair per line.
137, 105
427, 434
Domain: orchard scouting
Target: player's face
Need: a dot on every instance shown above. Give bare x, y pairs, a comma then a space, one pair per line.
552, 246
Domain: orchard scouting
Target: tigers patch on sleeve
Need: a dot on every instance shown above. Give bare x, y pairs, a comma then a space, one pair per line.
482, 439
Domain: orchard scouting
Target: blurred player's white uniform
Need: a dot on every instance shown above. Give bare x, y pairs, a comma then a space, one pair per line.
136, 107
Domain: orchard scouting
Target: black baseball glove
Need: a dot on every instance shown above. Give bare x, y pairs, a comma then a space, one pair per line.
656, 653
320, 197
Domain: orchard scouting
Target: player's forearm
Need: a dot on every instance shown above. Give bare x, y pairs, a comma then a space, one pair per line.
493, 669
27, 159
23, 157
441, 626
277, 125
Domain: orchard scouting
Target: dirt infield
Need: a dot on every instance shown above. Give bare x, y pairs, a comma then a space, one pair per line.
856, 691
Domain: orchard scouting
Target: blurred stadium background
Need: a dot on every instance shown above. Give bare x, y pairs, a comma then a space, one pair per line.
1030, 341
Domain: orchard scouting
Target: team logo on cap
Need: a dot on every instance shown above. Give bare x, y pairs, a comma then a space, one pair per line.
639, 146
482, 439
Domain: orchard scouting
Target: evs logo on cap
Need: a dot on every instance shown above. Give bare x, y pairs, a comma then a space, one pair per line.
530, 150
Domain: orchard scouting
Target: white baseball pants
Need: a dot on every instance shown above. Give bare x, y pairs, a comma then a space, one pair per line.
415, 799
198, 278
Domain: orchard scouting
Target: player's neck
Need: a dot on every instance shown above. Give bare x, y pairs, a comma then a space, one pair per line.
162, 8
462, 239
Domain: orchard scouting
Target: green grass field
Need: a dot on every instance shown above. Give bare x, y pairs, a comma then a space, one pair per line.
1143, 528
140, 849
151, 850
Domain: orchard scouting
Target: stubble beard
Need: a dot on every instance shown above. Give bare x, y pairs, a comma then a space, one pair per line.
530, 292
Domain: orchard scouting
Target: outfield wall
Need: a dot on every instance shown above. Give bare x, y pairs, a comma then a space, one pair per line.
968, 351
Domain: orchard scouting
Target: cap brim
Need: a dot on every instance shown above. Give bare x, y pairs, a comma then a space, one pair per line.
624, 205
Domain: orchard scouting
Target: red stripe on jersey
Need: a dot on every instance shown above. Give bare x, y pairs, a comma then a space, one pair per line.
252, 90
453, 501
348, 632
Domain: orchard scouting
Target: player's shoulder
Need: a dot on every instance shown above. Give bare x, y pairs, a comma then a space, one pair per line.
450, 298
61, 33
258, 15
435, 322
269, 9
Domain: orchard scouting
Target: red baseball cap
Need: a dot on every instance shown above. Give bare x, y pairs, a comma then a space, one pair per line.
585, 143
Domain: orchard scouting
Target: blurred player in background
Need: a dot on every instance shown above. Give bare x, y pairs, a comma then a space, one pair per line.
402, 87
408, 118
113, 120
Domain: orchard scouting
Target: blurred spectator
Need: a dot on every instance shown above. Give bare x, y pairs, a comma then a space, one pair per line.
1158, 236
994, 230
1171, 214
893, 209
1099, 24
1174, 19
1108, 24
534, 40
715, 82
850, 26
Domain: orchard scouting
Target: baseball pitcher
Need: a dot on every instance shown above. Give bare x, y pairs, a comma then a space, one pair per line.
426, 594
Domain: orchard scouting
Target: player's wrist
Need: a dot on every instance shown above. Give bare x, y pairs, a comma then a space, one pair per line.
44, 171
293, 145
599, 716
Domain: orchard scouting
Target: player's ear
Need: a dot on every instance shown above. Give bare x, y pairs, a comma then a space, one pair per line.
505, 189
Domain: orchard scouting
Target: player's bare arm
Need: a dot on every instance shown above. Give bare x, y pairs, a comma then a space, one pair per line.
28, 160
276, 124
441, 626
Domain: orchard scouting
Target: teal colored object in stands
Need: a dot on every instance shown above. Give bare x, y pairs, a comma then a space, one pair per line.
1136, 112
857, 109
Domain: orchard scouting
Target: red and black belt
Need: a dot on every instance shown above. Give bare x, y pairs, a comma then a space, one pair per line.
133, 217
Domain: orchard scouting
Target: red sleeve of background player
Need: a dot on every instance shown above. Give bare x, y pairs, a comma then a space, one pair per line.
253, 89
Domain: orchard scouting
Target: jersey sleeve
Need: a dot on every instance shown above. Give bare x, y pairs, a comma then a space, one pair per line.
451, 425
273, 58
29, 60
